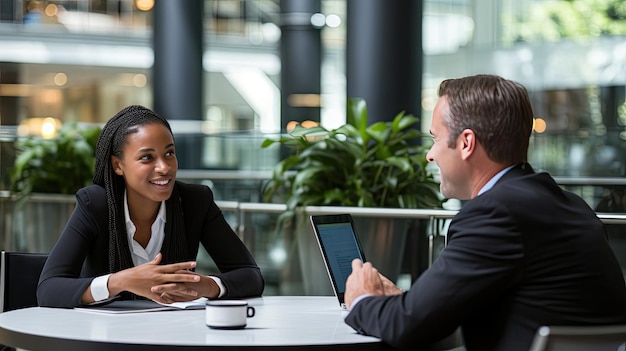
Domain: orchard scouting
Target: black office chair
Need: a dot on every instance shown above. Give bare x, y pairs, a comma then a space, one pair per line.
19, 275
580, 338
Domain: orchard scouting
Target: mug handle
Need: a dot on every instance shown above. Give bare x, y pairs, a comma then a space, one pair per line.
250, 312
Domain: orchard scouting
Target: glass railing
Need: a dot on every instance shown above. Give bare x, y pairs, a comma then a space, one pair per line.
402, 242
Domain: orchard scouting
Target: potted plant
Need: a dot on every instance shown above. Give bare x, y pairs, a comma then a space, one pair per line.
382, 165
378, 165
61, 165
44, 169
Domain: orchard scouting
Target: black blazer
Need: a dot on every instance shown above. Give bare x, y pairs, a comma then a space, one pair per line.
81, 253
521, 255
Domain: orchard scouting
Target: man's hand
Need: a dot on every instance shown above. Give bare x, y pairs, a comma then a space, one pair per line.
389, 287
364, 279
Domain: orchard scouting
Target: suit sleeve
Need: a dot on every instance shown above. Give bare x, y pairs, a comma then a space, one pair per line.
60, 283
483, 253
238, 270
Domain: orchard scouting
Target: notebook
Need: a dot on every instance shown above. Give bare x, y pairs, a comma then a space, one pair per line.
339, 245
136, 306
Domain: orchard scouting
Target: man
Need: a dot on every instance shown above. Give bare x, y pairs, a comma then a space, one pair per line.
521, 252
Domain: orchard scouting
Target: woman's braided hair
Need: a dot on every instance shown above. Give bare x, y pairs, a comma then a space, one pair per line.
111, 143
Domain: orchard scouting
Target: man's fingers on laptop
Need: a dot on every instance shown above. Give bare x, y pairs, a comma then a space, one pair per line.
356, 263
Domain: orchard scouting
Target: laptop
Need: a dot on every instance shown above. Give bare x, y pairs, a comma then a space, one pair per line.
339, 245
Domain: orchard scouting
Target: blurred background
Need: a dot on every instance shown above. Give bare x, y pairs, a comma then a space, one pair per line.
229, 73
83, 60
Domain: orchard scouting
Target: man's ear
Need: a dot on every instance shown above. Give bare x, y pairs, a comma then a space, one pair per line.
467, 139
115, 163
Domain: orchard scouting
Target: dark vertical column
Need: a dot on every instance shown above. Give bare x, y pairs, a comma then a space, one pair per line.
7, 10
384, 56
384, 67
177, 71
9, 116
300, 55
9, 105
611, 101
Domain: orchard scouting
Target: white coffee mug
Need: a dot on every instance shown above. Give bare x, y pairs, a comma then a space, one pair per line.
227, 314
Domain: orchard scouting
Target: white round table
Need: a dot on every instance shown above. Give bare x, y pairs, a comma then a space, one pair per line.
285, 322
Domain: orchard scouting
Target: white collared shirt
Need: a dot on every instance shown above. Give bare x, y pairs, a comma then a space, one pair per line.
139, 254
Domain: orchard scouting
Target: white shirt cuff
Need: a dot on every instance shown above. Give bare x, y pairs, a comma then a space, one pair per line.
219, 283
99, 288
358, 299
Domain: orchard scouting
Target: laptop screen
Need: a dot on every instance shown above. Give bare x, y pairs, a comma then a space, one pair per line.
341, 247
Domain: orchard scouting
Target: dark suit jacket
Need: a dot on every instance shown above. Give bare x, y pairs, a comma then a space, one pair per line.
81, 253
521, 255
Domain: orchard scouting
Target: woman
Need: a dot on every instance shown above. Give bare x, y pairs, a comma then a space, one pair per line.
136, 231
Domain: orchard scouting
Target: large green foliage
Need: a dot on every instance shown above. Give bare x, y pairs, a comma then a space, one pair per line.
554, 20
60, 165
378, 165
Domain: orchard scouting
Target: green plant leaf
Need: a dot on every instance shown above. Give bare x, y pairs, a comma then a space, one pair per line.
300, 131
268, 142
378, 165
402, 163
379, 131
357, 117
402, 122
59, 165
